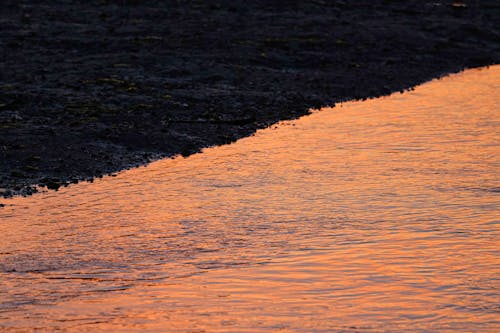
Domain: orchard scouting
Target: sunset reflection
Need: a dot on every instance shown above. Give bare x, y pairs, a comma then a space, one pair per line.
381, 215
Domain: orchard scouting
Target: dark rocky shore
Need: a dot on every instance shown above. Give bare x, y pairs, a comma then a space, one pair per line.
92, 87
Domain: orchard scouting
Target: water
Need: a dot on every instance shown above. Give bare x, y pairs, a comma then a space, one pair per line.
377, 216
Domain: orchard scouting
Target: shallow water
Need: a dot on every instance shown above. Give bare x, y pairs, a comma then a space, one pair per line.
376, 216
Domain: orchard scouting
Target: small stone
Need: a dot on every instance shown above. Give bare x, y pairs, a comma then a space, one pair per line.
53, 185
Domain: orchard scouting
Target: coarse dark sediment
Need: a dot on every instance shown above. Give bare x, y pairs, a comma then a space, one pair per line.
92, 87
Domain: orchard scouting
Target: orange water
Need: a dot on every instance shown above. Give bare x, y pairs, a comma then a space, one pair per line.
377, 216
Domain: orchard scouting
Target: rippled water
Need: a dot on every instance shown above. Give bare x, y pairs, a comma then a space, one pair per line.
376, 216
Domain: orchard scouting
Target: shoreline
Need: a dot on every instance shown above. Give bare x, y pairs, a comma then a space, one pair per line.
94, 88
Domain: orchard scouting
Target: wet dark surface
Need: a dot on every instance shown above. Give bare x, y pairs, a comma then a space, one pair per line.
92, 87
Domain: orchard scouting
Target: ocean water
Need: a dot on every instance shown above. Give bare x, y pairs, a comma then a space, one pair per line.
373, 216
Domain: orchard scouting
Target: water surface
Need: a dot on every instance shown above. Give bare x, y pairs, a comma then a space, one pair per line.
374, 216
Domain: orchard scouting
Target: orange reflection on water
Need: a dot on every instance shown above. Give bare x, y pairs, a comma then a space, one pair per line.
375, 216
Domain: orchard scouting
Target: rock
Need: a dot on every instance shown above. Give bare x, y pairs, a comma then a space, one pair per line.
53, 185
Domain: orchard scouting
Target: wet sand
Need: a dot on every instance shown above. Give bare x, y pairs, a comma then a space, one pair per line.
93, 87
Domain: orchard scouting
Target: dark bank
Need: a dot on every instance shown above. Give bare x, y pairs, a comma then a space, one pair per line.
92, 87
